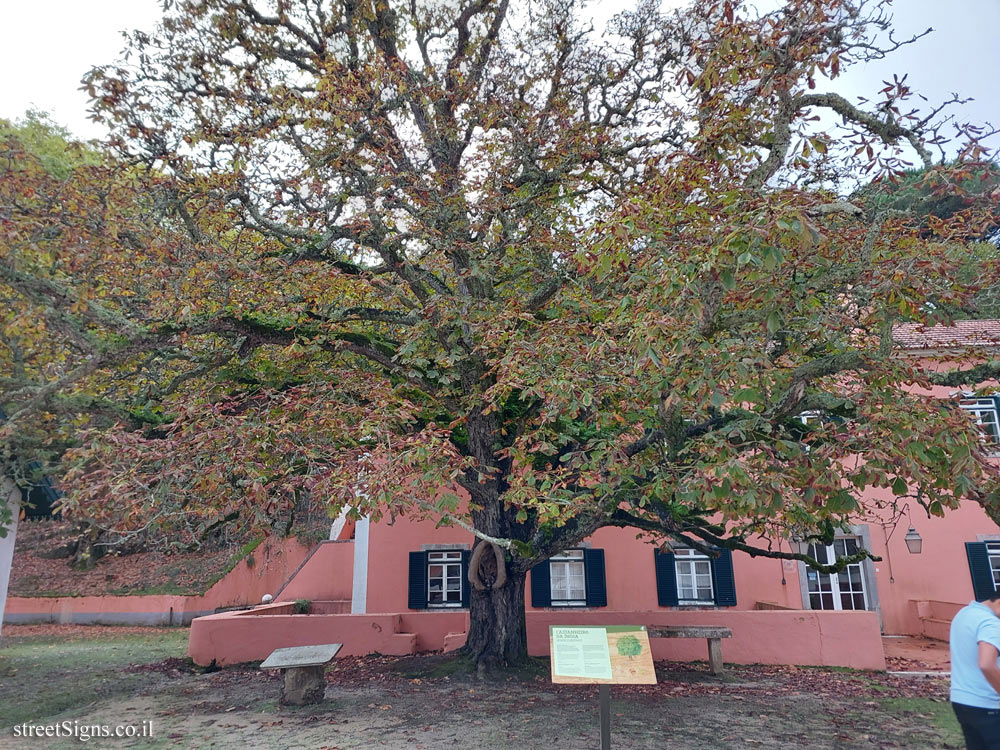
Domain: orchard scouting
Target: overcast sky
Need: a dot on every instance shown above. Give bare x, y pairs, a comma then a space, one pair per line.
49, 44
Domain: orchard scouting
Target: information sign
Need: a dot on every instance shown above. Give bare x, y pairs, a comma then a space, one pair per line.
604, 655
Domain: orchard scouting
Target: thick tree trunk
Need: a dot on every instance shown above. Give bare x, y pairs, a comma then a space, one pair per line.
497, 635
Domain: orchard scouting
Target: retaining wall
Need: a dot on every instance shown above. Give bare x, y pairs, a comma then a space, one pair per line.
840, 639
935, 617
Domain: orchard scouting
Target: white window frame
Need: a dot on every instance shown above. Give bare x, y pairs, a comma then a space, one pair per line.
450, 561
572, 565
805, 418
833, 579
686, 563
990, 428
993, 552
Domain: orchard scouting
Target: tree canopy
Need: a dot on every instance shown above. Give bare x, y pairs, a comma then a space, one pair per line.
476, 262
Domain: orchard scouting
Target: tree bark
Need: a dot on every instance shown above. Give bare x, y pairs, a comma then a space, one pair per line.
498, 637
497, 634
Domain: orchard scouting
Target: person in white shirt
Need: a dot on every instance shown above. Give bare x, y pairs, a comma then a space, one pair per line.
975, 672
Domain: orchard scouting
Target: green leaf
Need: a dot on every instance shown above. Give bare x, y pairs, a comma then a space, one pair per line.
752, 395
772, 257
449, 501
603, 266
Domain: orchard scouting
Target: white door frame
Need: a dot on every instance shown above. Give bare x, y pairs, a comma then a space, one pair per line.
867, 572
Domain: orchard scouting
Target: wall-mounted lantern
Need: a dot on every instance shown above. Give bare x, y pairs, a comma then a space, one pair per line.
913, 541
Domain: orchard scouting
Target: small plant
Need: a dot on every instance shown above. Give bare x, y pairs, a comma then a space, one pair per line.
301, 607
629, 646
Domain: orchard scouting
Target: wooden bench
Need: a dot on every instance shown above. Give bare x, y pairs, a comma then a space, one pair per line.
711, 632
302, 668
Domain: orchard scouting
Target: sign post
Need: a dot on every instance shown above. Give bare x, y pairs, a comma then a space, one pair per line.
604, 695
603, 656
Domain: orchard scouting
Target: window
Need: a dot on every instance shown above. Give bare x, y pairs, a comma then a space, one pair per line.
984, 565
687, 577
984, 411
567, 575
574, 578
694, 577
993, 551
444, 579
438, 578
810, 417
843, 590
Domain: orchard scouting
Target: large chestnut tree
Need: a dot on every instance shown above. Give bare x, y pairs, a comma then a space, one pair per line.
480, 262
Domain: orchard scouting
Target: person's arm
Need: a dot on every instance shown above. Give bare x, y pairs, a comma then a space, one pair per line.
988, 655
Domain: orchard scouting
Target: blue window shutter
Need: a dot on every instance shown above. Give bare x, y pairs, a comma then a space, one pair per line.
979, 566
723, 580
418, 580
666, 578
466, 554
541, 585
593, 569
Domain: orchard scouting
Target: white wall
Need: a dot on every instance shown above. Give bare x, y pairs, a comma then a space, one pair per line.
11, 496
359, 588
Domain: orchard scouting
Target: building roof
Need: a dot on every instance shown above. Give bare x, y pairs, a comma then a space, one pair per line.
960, 334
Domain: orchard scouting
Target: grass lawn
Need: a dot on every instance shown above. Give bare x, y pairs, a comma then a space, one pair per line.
130, 675
50, 677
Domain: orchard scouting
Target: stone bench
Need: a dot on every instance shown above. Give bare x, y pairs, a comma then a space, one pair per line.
712, 633
302, 668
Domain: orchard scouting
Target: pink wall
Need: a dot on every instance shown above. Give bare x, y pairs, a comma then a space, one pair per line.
631, 577
389, 548
845, 639
273, 563
327, 573
434, 628
842, 639
234, 637
105, 610
940, 572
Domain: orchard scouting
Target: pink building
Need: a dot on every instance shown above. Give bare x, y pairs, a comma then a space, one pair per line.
405, 584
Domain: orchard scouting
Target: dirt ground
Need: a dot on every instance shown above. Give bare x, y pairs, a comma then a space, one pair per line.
914, 654
109, 677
